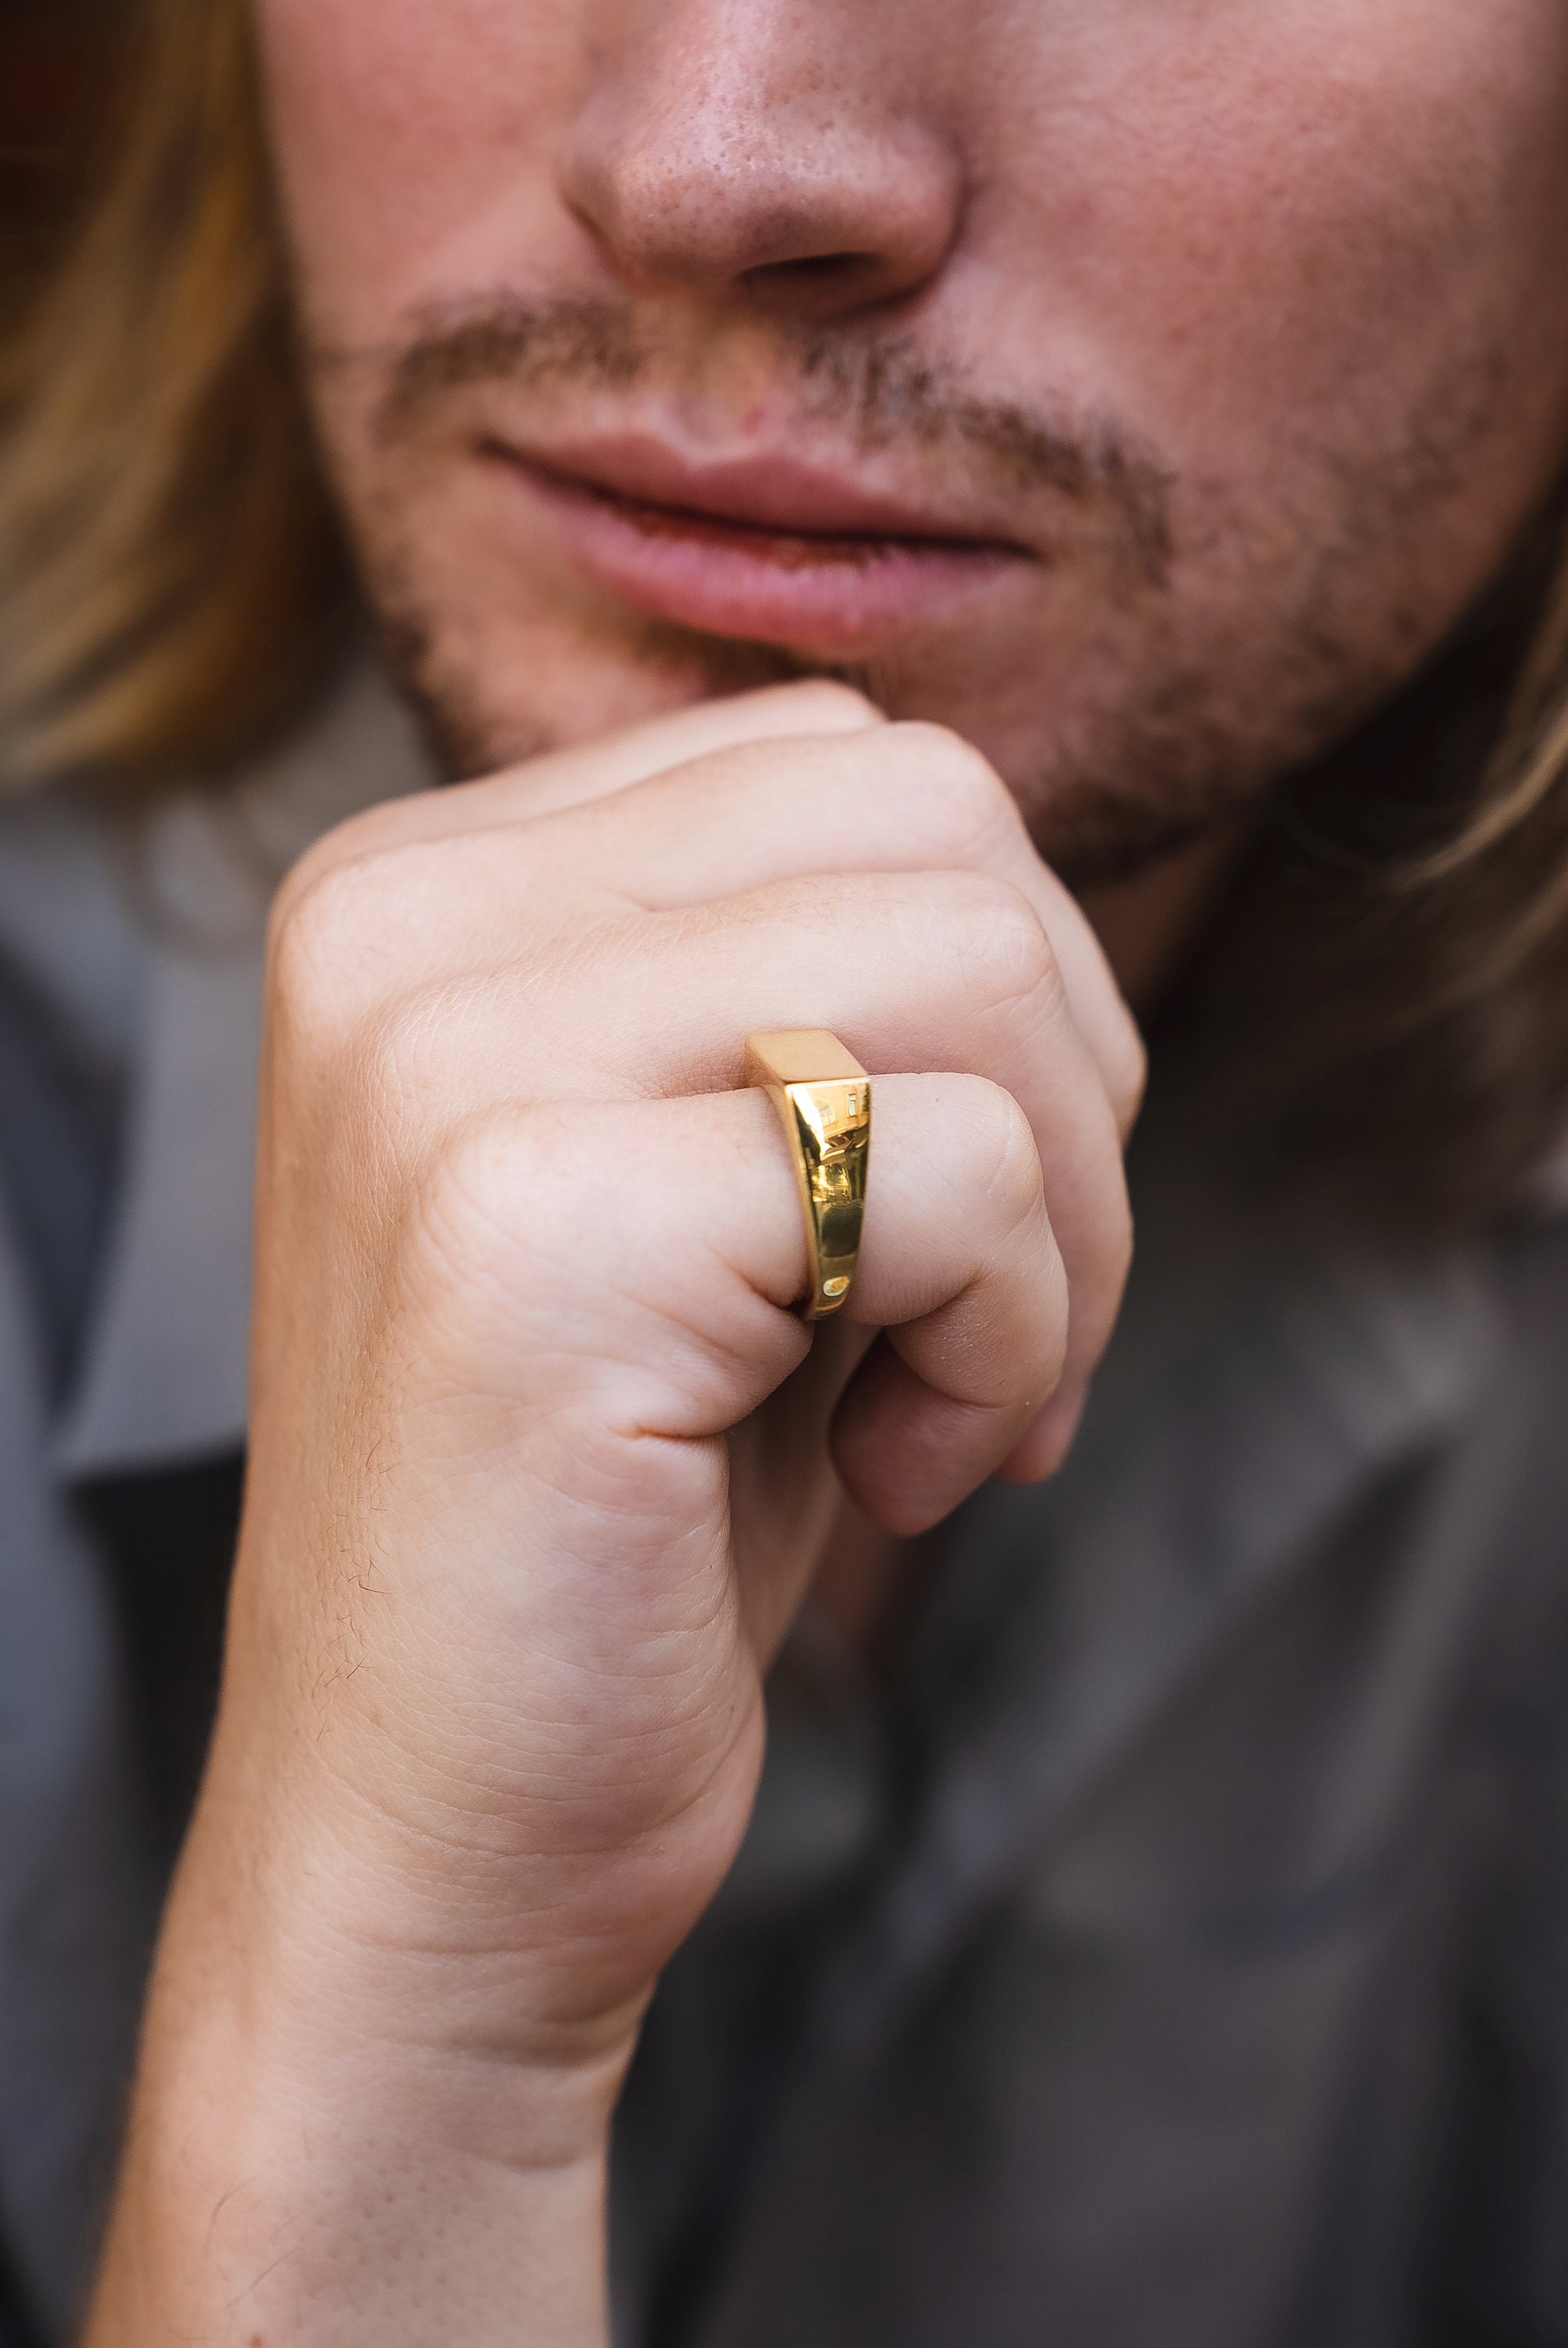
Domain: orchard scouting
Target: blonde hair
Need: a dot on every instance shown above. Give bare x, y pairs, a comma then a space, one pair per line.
171, 573
173, 586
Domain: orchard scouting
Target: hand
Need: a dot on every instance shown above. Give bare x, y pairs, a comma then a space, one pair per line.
542, 1459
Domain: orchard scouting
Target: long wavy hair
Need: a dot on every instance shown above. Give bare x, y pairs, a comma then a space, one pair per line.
171, 577
173, 587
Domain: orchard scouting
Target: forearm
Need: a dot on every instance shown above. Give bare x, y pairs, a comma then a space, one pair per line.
355, 2239
329, 2169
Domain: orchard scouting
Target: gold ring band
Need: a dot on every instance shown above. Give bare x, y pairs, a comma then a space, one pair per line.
823, 1096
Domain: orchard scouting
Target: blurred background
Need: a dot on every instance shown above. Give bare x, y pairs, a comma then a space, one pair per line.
57, 71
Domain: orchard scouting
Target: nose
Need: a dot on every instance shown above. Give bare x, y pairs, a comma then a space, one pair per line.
782, 151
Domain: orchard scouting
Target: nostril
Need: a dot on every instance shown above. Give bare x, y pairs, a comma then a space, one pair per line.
821, 264
828, 274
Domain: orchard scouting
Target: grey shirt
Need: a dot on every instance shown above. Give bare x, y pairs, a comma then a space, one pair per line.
1175, 1952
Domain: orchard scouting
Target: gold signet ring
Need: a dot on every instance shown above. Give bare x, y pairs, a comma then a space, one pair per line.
823, 1096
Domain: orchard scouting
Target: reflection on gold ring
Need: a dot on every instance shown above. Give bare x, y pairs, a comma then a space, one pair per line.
823, 1096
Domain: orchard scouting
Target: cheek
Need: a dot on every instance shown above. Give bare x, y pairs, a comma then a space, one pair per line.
1261, 226
412, 140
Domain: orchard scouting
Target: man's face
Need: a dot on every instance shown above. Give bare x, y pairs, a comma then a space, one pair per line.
1141, 387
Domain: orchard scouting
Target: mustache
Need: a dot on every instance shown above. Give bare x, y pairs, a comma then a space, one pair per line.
880, 391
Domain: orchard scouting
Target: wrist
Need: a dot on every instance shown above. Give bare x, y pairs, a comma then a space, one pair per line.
307, 2161
323, 1971
307, 1897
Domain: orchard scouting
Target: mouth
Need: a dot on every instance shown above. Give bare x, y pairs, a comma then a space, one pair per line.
760, 549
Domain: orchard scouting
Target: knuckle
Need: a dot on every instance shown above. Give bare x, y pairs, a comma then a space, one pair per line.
482, 1197
1001, 1159
308, 883
1013, 956
350, 934
323, 920
451, 1245
309, 953
1129, 1075
472, 1179
969, 800
518, 1255
389, 1065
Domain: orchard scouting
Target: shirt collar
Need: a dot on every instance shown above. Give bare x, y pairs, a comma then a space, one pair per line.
163, 1375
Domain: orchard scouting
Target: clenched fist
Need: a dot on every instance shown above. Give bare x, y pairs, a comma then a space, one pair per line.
543, 1459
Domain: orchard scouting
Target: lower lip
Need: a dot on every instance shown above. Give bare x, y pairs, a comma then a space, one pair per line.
831, 596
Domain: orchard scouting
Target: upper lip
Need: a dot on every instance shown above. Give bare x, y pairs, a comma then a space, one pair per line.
775, 495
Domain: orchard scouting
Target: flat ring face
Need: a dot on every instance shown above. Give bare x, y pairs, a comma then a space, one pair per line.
823, 1096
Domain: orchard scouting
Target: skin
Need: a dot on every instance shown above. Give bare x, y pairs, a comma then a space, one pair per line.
1238, 329
1296, 267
